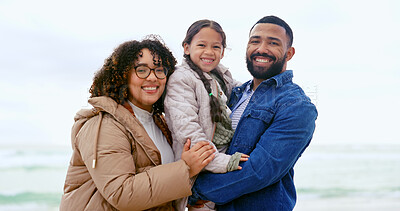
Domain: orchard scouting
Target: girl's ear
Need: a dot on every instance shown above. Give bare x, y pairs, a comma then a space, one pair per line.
222, 53
186, 48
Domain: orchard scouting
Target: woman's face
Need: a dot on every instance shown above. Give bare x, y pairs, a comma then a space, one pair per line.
145, 92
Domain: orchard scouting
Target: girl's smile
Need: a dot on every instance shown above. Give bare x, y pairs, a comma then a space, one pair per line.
205, 49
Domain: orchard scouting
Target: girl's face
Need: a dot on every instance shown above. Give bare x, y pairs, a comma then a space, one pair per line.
205, 50
145, 92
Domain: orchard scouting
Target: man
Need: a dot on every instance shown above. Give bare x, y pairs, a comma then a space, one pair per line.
274, 122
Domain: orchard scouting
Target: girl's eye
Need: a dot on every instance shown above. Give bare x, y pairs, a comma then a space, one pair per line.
218, 47
201, 45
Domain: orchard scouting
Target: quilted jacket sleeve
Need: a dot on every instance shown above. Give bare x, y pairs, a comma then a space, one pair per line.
185, 97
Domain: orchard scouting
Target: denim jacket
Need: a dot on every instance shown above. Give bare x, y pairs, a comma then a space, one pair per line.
275, 128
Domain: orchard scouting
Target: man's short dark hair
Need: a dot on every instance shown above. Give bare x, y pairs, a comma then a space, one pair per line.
275, 20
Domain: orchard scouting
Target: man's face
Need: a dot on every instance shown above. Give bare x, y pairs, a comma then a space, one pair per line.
267, 51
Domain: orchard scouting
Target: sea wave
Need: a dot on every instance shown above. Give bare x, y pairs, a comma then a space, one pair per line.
51, 199
323, 174
31, 168
33, 159
390, 192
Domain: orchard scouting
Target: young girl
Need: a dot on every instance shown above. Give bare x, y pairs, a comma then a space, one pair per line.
195, 104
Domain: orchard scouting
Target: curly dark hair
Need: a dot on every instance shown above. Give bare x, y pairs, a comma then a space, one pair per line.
112, 79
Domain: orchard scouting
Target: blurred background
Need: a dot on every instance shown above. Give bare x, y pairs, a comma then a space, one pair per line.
346, 61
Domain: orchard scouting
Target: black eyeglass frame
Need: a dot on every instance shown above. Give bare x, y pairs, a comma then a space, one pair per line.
154, 70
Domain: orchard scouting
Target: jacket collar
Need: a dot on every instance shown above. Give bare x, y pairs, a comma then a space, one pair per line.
280, 79
245, 86
130, 122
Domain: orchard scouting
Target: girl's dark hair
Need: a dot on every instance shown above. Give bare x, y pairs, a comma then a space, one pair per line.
112, 79
216, 112
198, 25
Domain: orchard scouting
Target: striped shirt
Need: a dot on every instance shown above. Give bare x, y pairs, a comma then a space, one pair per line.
239, 108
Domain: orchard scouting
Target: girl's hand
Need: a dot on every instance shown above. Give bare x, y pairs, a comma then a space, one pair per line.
243, 158
197, 157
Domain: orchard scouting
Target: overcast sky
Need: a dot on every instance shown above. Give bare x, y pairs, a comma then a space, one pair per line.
346, 58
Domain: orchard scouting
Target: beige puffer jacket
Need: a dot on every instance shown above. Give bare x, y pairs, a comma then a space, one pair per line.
187, 110
127, 174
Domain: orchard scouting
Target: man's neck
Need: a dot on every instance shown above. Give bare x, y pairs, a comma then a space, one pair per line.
256, 82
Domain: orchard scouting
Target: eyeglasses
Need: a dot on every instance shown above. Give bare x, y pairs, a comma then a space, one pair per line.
143, 72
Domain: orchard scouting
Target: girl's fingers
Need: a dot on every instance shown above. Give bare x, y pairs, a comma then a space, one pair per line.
244, 157
186, 147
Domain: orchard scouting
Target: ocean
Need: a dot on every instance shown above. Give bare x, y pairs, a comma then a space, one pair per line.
328, 177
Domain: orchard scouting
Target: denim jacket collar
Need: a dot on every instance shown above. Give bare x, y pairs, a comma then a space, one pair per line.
280, 79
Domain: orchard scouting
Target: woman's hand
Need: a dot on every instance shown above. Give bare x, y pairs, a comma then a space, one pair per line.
197, 157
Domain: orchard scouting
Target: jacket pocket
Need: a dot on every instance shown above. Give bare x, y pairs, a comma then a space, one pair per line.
252, 126
265, 116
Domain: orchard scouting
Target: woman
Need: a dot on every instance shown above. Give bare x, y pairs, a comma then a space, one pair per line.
122, 157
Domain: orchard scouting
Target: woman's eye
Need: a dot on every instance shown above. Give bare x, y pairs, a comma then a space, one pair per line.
140, 70
159, 70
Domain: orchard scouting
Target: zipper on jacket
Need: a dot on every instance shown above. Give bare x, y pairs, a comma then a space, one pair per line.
96, 139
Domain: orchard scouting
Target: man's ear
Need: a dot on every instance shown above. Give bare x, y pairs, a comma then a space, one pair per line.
290, 53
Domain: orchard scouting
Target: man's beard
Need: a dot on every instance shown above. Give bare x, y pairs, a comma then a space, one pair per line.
263, 72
